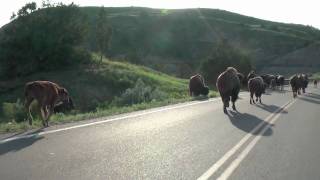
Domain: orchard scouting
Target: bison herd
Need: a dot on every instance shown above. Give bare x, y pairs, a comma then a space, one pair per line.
53, 98
229, 82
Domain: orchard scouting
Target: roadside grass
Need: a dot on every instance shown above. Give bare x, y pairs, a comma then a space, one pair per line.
97, 90
60, 118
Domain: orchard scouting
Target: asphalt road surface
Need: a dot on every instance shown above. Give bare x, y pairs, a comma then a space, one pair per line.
279, 139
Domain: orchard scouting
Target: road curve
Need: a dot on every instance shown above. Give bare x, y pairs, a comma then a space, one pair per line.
276, 140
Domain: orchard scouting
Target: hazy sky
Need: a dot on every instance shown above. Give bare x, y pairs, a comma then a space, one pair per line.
290, 11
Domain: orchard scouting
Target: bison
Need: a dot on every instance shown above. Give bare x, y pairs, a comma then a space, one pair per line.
280, 81
228, 84
197, 86
296, 84
268, 78
256, 87
315, 83
251, 74
304, 82
47, 94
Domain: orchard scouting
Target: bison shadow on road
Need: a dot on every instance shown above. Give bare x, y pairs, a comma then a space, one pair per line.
310, 100
21, 143
312, 95
247, 122
270, 108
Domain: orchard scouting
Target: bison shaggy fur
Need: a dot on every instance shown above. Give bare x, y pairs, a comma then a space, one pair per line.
228, 84
197, 86
256, 87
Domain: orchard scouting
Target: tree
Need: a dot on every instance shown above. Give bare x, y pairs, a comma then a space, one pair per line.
223, 56
13, 16
27, 9
43, 39
103, 32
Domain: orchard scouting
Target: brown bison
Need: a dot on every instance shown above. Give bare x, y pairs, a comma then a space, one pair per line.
228, 84
47, 94
315, 83
296, 84
197, 86
268, 78
256, 87
304, 82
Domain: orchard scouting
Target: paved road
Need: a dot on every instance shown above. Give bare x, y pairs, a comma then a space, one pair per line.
276, 140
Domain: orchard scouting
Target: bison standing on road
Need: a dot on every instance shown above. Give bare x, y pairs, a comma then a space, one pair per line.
48, 94
228, 84
267, 78
256, 87
280, 81
305, 81
197, 86
295, 82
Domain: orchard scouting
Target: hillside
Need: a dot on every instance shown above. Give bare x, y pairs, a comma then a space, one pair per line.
175, 41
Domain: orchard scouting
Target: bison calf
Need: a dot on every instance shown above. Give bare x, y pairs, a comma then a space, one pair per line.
48, 94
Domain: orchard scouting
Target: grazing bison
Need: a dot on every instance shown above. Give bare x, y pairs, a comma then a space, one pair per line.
296, 84
315, 83
48, 94
64, 106
280, 81
228, 84
256, 87
197, 86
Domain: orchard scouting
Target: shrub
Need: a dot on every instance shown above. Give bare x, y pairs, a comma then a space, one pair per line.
140, 93
14, 111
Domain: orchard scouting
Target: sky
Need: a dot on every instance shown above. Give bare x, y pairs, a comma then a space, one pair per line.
289, 11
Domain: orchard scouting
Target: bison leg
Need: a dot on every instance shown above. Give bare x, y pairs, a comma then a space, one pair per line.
224, 109
27, 106
43, 115
233, 99
251, 97
260, 100
49, 111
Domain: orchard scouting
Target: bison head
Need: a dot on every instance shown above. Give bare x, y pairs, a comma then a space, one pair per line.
63, 94
205, 90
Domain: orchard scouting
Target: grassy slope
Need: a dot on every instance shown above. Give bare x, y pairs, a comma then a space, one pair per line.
98, 83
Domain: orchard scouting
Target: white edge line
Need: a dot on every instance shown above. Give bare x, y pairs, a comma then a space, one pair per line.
235, 163
233, 150
108, 120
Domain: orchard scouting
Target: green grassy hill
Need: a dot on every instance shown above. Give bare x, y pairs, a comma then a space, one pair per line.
175, 41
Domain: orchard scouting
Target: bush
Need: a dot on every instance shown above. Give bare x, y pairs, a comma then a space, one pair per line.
140, 93
14, 111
